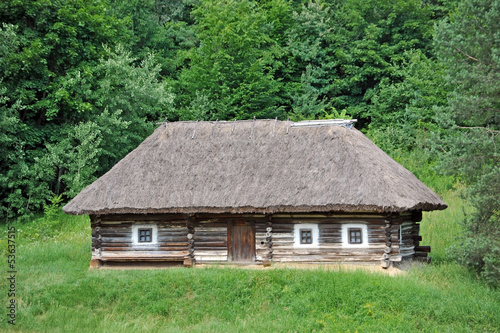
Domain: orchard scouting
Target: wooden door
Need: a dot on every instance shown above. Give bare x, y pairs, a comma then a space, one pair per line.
241, 241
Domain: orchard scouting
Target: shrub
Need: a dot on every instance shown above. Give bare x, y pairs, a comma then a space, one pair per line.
481, 254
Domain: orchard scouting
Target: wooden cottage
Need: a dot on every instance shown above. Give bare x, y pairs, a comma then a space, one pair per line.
258, 191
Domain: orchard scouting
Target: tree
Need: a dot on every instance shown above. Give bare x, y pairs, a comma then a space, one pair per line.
159, 27
69, 107
312, 65
232, 67
468, 43
339, 53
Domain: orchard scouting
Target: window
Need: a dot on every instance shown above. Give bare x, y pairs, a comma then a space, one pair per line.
145, 235
355, 236
305, 236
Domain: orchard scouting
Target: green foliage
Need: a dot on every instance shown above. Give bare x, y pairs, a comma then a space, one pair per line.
480, 254
372, 38
158, 27
233, 64
42, 42
335, 114
69, 107
125, 99
311, 59
468, 44
52, 210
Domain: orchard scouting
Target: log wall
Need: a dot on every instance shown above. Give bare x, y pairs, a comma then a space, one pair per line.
112, 239
330, 248
205, 238
210, 241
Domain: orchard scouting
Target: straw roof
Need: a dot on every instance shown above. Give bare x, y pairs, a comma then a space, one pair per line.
262, 166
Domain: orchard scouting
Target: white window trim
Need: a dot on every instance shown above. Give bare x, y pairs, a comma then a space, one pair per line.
315, 234
345, 235
400, 234
135, 235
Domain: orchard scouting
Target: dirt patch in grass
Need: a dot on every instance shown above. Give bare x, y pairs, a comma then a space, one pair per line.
341, 267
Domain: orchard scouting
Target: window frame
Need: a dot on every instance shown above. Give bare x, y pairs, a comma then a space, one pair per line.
313, 228
346, 239
150, 235
136, 235
350, 232
306, 239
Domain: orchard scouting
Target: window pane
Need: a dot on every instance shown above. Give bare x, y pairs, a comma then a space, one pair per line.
355, 236
305, 236
145, 235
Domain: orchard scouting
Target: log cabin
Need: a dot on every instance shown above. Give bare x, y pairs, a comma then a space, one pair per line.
256, 192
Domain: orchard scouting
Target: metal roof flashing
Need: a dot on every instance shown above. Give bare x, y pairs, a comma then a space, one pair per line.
347, 123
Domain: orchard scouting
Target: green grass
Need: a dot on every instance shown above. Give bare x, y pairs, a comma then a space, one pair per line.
56, 292
440, 229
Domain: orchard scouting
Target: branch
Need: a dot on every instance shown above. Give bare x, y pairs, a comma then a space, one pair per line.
460, 51
480, 27
479, 127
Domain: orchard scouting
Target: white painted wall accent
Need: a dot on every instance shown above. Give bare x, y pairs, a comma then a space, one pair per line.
345, 235
315, 234
135, 237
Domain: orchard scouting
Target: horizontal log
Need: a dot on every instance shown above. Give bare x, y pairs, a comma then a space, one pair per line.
329, 227
200, 253
181, 232
122, 228
221, 228
279, 241
330, 239
107, 248
143, 254
116, 234
212, 224
116, 240
116, 245
173, 243
323, 252
115, 224
210, 249
209, 236
173, 248
322, 259
177, 239
217, 238
423, 249
210, 244
406, 228
142, 259
142, 249
212, 259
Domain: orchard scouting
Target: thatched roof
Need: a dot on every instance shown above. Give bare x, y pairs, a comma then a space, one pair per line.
260, 166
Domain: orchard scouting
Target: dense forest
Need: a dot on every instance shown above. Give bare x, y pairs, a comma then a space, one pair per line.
83, 82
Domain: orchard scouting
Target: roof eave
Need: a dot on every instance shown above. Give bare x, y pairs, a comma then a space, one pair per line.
329, 209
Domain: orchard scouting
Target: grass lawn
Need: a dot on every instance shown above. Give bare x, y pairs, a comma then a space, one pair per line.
56, 292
